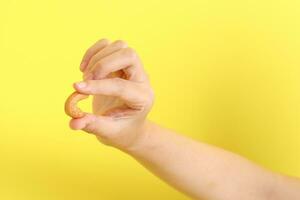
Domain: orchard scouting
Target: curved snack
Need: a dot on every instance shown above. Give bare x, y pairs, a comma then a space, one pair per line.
71, 108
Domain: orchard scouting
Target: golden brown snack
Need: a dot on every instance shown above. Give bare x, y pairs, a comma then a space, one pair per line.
71, 108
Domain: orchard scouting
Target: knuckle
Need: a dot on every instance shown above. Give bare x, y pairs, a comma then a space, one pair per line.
120, 84
90, 128
130, 52
149, 95
90, 84
102, 65
150, 99
98, 69
120, 43
99, 64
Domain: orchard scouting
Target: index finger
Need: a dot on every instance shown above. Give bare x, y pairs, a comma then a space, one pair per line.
92, 51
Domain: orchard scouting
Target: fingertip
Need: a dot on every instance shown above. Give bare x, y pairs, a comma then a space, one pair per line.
75, 87
83, 65
73, 125
77, 124
80, 86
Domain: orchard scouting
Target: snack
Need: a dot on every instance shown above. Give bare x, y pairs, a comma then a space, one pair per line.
71, 108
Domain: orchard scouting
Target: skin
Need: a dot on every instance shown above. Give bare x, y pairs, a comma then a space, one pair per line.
122, 98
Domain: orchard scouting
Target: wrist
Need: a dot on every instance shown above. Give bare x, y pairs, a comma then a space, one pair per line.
142, 139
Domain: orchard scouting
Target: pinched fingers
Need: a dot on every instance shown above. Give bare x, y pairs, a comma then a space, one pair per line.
105, 128
136, 95
94, 124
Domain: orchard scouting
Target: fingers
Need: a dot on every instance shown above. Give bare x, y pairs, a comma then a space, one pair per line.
134, 94
115, 46
80, 123
92, 124
92, 51
125, 59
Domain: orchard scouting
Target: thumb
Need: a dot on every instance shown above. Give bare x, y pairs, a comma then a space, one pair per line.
91, 123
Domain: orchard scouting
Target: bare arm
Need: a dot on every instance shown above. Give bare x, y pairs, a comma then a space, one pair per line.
207, 172
114, 75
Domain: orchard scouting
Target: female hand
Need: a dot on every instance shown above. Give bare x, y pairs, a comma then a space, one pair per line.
122, 95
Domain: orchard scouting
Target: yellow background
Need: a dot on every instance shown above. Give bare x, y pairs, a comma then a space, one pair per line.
224, 72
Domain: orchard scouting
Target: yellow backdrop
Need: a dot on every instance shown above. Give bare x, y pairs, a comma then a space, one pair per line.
224, 72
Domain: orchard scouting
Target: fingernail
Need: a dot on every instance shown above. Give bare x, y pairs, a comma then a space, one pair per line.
81, 84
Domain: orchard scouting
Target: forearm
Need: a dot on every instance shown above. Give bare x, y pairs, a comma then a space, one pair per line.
123, 97
201, 170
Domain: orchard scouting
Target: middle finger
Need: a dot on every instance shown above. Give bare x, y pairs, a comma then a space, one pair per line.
113, 47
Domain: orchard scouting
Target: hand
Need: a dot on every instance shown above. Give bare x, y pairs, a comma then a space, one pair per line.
122, 95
